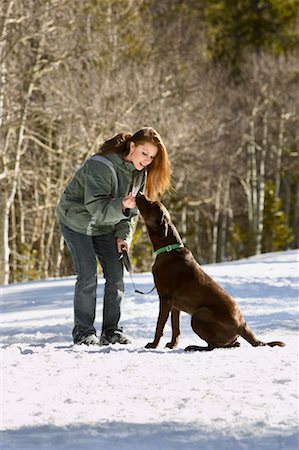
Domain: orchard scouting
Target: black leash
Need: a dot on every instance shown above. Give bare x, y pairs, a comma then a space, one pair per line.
127, 263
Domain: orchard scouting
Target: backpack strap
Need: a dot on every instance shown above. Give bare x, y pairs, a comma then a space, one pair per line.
108, 163
139, 181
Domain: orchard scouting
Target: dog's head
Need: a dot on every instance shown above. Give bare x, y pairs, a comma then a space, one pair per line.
155, 215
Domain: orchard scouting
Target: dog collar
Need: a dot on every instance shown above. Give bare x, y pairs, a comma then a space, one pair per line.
168, 248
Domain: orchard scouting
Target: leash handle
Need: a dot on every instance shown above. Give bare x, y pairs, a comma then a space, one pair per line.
127, 263
126, 260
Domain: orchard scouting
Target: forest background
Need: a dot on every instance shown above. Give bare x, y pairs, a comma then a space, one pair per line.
217, 78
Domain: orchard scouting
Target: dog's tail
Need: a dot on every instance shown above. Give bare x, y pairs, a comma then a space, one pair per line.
249, 336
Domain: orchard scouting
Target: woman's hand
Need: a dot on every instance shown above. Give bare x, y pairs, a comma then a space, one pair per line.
129, 201
122, 245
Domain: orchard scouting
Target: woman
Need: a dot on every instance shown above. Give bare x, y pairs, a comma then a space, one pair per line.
96, 214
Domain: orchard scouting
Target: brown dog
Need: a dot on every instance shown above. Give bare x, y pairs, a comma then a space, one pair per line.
183, 286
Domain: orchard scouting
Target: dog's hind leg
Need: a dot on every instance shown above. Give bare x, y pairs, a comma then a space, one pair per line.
249, 336
214, 330
162, 319
200, 325
175, 325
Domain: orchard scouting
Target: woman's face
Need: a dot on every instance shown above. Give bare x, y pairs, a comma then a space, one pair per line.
141, 155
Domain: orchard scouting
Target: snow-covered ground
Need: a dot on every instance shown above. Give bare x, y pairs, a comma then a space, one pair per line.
59, 396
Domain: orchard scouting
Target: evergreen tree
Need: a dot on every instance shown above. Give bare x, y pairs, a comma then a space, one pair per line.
277, 234
236, 27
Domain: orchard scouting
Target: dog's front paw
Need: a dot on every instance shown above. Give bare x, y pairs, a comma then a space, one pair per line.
151, 345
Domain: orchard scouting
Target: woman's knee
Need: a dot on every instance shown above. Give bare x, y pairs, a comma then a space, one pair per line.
115, 284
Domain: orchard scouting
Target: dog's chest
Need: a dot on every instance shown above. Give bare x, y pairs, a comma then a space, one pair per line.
173, 273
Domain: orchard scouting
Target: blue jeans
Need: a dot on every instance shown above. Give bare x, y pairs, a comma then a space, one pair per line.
85, 250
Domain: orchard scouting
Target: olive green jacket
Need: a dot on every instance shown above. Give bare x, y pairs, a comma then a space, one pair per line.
89, 205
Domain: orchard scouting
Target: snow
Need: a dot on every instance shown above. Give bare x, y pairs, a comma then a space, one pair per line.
59, 396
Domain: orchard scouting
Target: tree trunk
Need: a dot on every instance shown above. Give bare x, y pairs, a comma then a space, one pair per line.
35, 69
216, 220
196, 234
3, 69
287, 197
261, 187
4, 233
224, 221
296, 215
253, 184
4, 213
279, 150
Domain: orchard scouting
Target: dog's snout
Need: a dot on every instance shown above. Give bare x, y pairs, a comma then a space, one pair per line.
143, 204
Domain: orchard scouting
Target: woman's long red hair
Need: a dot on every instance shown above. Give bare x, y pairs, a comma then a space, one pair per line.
158, 172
